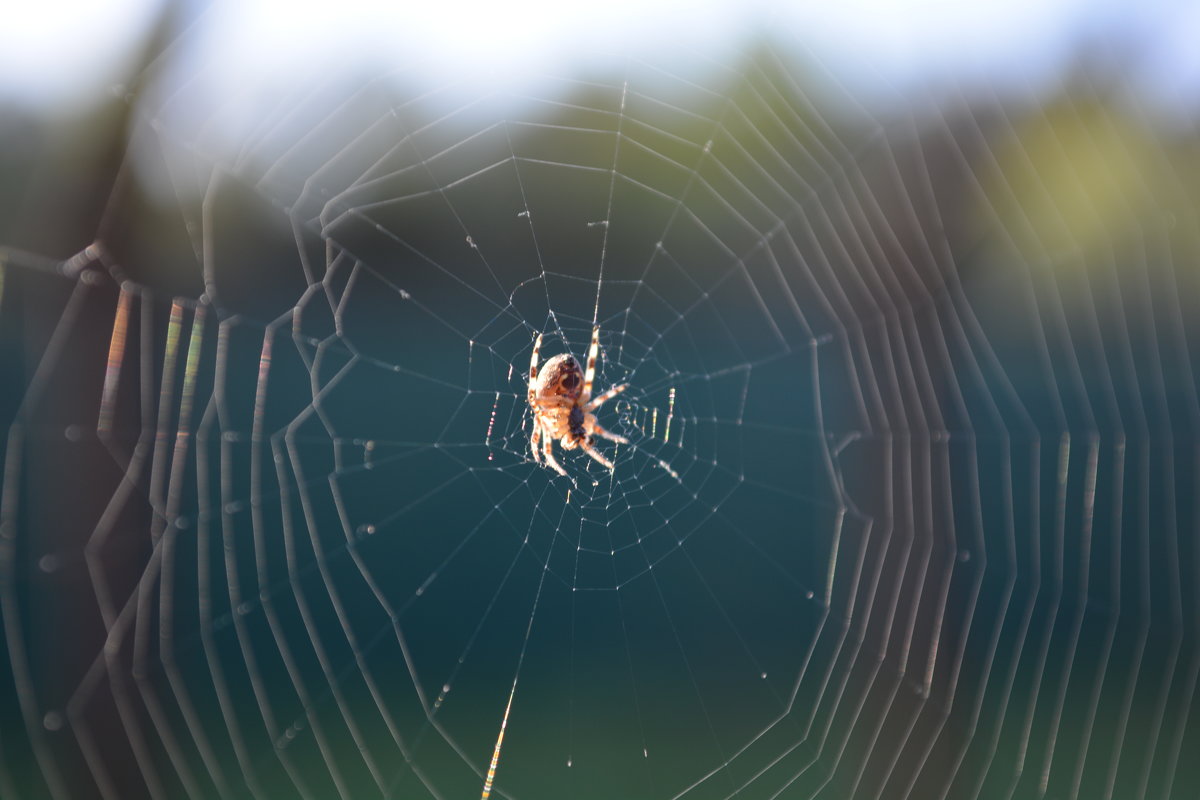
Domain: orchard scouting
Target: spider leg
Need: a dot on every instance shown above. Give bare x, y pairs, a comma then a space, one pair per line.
548, 452
594, 453
590, 374
533, 364
535, 439
604, 398
599, 430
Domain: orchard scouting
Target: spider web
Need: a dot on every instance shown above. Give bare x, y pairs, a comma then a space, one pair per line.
906, 509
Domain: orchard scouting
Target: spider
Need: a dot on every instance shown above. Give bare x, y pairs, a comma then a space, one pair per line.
562, 405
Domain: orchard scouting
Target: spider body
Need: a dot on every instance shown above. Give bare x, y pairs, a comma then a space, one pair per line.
560, 398
575, 421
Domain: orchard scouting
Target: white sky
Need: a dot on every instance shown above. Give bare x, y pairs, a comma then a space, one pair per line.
57, 54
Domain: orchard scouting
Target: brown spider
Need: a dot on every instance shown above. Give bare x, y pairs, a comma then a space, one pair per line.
561, 401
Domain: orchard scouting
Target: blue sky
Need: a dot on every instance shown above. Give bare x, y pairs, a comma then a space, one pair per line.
63, 54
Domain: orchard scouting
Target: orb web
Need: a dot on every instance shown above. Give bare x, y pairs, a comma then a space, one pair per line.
905, 509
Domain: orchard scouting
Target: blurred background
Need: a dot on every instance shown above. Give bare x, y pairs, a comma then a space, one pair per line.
905, 295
